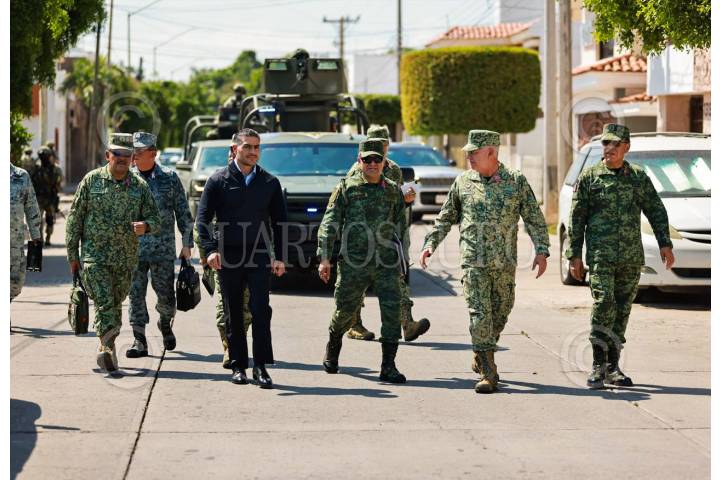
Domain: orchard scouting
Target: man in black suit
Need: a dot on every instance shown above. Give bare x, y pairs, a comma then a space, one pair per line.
248, 206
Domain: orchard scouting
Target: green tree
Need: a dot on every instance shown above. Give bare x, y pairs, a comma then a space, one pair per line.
19, 137
381, 109
657, 23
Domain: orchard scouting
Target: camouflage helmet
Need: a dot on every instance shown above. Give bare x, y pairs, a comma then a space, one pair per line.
44, 153
239, 88
615, 133
481, 138
120, 141
379, 132
372, 146
142, 140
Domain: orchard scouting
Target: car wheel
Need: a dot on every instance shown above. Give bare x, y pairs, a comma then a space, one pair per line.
565, 276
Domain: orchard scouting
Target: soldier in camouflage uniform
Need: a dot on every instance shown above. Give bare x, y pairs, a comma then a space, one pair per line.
605, 213
23, 208
47, 179
157, 252
220, 315
111, 209
391, 170
368, 213
488, 201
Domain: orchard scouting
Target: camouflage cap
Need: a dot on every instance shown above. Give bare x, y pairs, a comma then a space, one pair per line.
379, 132
120, 141
28, 150
44, 152
370, 147
615, 132
481, 138
144, 140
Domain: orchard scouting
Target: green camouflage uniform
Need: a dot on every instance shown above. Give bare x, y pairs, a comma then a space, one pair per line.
157, 252
47, 180
605, 213
366, 216
23, 208
100, 218
488, 211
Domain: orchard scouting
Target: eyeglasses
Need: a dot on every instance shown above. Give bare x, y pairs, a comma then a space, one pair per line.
121, 153
373, 159
613, 143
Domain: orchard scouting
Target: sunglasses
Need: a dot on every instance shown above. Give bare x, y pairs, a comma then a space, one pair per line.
613, 143
121, 153
372, 159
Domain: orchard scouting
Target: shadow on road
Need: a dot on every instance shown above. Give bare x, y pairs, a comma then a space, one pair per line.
290, 390
626, 394
23, 433
675, 301
55, 270
447, 346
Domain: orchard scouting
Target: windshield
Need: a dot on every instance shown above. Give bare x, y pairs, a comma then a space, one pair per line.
169, 159
676, 173
308, 158
212, 158
417, 157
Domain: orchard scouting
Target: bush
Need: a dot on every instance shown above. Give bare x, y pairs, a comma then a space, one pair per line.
456, 89
381, 109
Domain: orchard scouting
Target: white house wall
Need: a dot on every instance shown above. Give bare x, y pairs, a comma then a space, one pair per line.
670, 72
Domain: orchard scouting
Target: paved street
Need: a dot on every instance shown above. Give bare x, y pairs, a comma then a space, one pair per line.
176, 415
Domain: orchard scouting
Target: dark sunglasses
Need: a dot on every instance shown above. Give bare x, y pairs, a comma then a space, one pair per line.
614, 143
121, 153
372, 159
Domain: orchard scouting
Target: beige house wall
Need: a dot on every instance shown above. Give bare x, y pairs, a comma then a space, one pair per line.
673, 113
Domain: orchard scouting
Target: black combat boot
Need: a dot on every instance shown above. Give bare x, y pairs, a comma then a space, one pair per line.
139, 346
614, 375
388, 371
332, 353
165, 326
597, 376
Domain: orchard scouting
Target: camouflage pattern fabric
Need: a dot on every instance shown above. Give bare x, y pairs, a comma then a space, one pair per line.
23, 208
171, 201
481, 138
47, 180
615, 132
365, 217
488, 212
490, 295
391, 170
162, 278
101, 218
613, 290
107, 285
605, 213
381, 132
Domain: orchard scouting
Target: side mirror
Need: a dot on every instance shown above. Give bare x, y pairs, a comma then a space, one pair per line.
183, 166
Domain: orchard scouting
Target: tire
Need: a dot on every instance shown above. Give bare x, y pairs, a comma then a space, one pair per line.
565, 277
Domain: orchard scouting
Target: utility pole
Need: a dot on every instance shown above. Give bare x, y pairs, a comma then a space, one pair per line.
90, 146
550, 184
129, 15
565, 96
155, 74
342, 21
110, 32
399, 41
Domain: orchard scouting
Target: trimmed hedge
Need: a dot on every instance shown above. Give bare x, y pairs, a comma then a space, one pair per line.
381, 109
456, 89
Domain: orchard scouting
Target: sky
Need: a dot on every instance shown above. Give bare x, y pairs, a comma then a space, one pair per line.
211, 33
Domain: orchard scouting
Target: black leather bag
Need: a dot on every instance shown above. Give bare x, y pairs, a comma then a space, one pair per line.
187, 288
34, 257
79, 307
208, 279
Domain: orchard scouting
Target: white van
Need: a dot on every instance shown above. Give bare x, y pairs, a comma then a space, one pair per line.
679, 166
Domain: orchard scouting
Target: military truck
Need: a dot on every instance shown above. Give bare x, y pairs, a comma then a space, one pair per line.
297, 117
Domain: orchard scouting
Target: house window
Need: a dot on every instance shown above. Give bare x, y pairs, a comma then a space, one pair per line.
606, 49
696, 114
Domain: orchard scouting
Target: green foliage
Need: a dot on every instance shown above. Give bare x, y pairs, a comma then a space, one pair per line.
19, 137
40, 32
381, 109
456, 89
657, 23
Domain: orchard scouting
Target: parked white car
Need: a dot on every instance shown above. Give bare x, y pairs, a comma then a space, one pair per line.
434, 175
679, 166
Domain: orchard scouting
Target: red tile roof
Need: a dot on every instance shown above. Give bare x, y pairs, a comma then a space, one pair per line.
624, 63
638, 97
486, 32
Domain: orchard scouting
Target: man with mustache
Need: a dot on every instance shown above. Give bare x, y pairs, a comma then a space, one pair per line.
111, 209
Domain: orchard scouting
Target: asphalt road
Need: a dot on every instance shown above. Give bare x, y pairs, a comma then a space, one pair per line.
176, 415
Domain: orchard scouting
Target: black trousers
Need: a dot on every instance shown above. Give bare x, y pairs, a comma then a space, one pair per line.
235, 274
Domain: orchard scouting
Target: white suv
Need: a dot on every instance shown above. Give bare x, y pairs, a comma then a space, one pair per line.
679, 166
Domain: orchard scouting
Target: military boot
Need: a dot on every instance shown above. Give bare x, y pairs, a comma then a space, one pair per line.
597, 376
484, 364
165, 326
332, 353
226, 352
388, 370
412, 329
47, 240
359, 332
139, 346
106, 356
613, 375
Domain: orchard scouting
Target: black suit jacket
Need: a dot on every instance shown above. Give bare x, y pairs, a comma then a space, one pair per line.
245, 216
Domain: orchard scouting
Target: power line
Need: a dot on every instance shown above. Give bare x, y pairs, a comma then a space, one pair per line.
342, 21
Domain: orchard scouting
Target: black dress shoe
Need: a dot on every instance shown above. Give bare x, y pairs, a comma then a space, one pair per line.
260, 375
239, 377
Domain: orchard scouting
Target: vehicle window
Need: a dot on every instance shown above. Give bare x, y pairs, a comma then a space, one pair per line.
417, 157
676, 173
576, 167
308, 158
213, 158
593, 157
169, 159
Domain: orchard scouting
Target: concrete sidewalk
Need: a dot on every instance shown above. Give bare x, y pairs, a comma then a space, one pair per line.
176, 415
